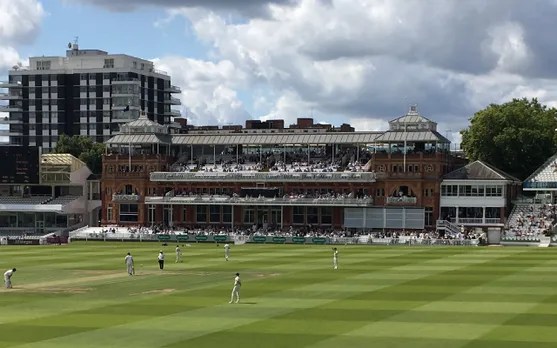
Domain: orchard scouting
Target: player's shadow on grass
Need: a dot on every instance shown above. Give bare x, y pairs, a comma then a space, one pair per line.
247, 303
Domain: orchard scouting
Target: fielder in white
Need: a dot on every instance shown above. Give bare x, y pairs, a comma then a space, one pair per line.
178, 254
129, 264
236, 289
226, 251
335, 258
8, 278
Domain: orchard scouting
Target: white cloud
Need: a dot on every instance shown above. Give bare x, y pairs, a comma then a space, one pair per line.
356, 60
369, 124
208, 94
19, 24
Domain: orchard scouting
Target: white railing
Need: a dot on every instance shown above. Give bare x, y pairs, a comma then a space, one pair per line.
477, 221
419, 241
113, 236
160, 72
469, 221
225, 200
264, 176
125, 198
447, 225
79, 231
402, 200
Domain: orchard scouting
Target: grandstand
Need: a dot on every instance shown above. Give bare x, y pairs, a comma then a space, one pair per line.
534, 218
56, 200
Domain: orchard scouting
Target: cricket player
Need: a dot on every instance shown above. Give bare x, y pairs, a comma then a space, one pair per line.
236, 289
226, 251
161, 260
129, 264
8, 278
335, 258
178, 254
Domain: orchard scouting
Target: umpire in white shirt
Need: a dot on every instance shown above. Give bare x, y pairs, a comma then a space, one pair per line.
161, 260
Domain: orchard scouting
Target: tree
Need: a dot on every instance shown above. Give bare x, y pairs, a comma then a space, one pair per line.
517, 137
84, 148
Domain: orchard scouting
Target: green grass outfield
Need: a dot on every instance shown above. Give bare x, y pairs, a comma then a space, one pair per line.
79, 296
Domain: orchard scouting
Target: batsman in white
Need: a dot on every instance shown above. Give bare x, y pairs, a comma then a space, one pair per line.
8, 277
129, 264
236, 289
226, 251
178, 254
335, 258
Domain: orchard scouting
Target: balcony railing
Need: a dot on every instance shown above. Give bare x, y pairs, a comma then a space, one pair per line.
173, 89
10, 108
125, 198
10, 96
477, 221
362, 177
413, 155
123, 158
173, 113
226, 200
472, 221
126, 80
118, 174
8, 84
11, 120
173, 101
405, 175
402, 200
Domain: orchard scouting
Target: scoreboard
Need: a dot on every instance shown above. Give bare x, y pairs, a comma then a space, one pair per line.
19, 165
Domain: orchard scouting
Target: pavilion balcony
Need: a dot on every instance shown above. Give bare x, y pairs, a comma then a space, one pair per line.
400, 175
125, 175
359, 177
411, 155
122, 198
124, 158
402, 200
477, 221
260, 201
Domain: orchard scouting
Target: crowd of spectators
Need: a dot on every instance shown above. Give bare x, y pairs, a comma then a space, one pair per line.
277, 161
306, 231
530, 221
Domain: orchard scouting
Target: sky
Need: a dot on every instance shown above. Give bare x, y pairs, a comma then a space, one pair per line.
361, 62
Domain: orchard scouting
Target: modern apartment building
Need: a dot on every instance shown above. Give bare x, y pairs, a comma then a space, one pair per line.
87, 92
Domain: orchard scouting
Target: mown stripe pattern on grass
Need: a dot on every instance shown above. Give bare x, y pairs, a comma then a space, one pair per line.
80, 296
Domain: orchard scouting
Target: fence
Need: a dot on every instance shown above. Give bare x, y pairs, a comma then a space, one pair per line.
222, 238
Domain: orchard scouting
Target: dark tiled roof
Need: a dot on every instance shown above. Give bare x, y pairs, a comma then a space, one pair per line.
94, 177
479, 170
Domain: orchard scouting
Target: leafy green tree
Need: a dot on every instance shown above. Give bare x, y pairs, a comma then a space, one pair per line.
83, 148
517, 137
